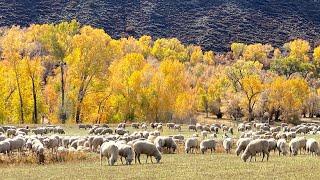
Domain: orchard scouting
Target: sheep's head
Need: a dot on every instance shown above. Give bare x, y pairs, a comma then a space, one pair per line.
245, 156
238, 151
158, 157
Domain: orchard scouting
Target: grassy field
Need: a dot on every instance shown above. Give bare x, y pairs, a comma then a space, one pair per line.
173, 166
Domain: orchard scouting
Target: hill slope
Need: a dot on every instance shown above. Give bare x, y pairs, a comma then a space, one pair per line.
210, 23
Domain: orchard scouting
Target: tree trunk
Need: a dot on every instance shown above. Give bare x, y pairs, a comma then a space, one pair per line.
35, 108
20, 99
63, 115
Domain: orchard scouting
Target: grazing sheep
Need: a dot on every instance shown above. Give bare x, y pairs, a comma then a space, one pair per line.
170, 125
82, 126
297, 144
135, 125
120, 131
4, 147
242, 144
199, 127
144, 126
165, 142
144, 147
25, 130
177, 127
207, 144
96, 142
192, 127
159, 128
204, 134
179, 136
17, 143
109, 150
11, 132
272, 144
38, 148
191, 144
51, 143
282, 147
254, 147
312, 147
125, 151
227, 144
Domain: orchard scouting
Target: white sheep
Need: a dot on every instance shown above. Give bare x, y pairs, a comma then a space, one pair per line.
4, 147
191, 144
272, 144
125, 151
254, 147
109, 150
227, 144
242, 144
312, 147
207, 144
297, 144
145, 147
282, 147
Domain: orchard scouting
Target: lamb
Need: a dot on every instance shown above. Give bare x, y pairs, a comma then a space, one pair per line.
272, 144
282, 147
144, 147
207, 144
4, 147
227, 144
127, 152
242, 144
254, 147
312, 147
297, 144
191, 144
111, 151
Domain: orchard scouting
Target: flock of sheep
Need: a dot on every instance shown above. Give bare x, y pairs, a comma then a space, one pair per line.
118, 143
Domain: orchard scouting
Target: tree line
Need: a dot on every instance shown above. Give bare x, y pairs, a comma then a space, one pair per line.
78, 74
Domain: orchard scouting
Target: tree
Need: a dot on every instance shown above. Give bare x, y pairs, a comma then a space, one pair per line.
169, 49
87, 60
288, 66
255, 52
299, 49
237, 49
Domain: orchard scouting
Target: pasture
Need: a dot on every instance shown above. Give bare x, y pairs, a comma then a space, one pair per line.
180, 165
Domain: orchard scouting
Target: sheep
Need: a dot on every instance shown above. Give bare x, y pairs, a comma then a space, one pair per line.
39, 131
159, 128
58, 130
82, 126
106, 131
192, 127
111, 151
207, 144
179, 136
204, 134
199, 127
297, 144
38, 148
312, 147
135, 125
282, 147
125, 151
11, 132
272, 144
120, 131
230, 130
144, 126
144, 147
17, 143
191, 144
51, 143
254, 147
165, 142
227, 144
26, 131
170, 125
96, 142
242, 144
2, 137
177, 127
2, 130
4, 147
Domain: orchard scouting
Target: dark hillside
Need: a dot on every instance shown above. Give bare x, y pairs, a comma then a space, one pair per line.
210, 23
